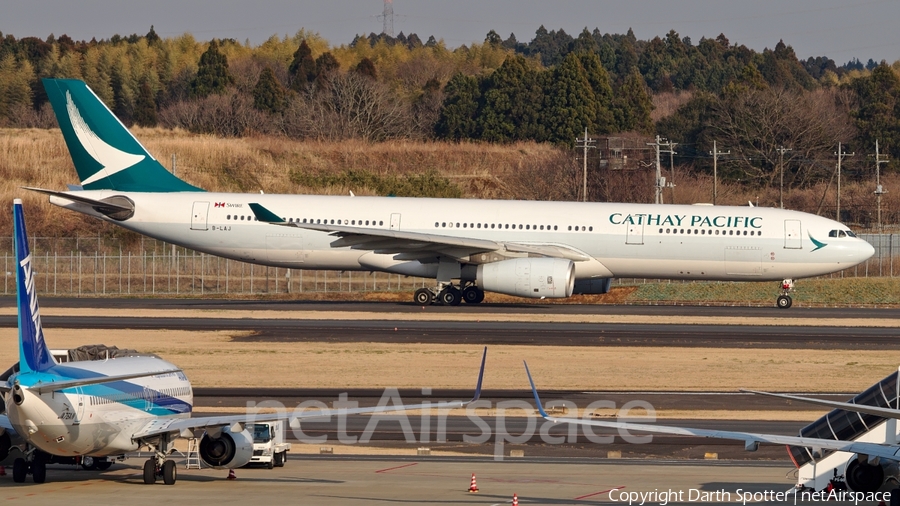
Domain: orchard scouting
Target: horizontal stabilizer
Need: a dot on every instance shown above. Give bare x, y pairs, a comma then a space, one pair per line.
55, 386
100, 206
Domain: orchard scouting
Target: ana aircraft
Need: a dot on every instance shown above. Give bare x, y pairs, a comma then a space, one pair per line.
106, 408
875, 463
526, 249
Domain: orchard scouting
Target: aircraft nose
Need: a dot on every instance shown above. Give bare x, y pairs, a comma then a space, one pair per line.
865, 250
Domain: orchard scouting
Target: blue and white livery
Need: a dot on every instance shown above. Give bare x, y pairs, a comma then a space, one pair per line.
107, 408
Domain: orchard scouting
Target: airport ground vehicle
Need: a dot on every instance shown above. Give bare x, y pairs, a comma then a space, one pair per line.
269, 447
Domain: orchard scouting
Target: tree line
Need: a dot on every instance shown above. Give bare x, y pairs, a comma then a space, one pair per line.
549, 89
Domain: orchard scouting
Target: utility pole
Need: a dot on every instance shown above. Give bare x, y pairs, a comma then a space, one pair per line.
586, 145
879, 159
715, 154
660, 181
781, 150
672, 154
840, 155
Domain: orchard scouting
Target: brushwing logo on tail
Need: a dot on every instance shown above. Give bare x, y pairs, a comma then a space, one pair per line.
112, 159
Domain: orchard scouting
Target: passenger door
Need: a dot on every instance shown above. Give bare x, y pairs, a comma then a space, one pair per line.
792, 234
199, 216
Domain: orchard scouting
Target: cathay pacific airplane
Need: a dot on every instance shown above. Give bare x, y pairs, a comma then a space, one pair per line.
106, 408
526, 249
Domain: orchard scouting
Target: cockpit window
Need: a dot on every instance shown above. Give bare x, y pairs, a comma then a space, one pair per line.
832, 233
850, 234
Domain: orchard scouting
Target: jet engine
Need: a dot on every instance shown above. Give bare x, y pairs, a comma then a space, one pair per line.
528, 277
228, 451
864, 475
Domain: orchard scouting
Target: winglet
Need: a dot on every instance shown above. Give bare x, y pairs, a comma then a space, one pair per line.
480, 377
537, 399
264, 215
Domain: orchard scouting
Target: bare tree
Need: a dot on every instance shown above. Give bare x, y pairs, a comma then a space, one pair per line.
348, 106
755, 123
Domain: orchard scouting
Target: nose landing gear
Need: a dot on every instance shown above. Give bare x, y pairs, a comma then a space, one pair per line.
784, 300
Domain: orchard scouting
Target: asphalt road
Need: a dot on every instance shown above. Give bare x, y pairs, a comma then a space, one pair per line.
510, 333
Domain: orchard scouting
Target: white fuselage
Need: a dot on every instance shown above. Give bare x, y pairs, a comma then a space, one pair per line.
622, 240
98, 420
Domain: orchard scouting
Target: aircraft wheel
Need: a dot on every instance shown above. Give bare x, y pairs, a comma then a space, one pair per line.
784, 301
89, 463
169, 473
39, 471
20, 469
423, 296
473, 295
450, 296
150, 471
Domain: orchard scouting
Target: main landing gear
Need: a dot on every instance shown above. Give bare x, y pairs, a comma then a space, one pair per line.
448, 295
784, 300
34, 464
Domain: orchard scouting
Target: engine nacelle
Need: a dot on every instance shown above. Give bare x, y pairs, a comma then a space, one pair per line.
597, 286
862, 476
228, 451
528, 277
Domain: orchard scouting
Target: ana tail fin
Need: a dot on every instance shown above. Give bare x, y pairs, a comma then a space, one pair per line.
105, 154
33, 352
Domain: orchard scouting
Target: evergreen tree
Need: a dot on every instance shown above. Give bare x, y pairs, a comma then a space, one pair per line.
877, 114
570, 102
212, 72
603, 120
493, 39
326, 63
365, 67
502, 115
268, 95
458, 116
633, 105
120, 101
145, 106
303, 68
151, 36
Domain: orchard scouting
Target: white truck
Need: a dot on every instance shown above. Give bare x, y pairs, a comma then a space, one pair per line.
269, 447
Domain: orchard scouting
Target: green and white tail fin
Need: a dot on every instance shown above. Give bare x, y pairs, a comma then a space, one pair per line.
105, 154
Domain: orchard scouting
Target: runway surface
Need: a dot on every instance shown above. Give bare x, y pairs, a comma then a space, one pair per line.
399, 330
347, 481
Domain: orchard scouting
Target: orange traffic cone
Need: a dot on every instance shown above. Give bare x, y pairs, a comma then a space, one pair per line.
473, 488
231, 475
515, 500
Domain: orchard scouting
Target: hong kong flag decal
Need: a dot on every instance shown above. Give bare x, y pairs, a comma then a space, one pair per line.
220, 204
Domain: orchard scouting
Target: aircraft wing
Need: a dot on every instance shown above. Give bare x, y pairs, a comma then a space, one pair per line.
751, 439
846, 406
55, 386
178, 426
417, 245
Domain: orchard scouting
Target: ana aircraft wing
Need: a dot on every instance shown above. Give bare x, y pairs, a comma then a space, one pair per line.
416, 245
751, 440
846, 406
182, 426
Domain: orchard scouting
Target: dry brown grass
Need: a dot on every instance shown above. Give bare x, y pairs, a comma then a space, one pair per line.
223, 359
34, 157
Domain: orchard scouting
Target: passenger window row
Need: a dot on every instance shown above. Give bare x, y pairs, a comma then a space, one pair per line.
506, 226
703, 231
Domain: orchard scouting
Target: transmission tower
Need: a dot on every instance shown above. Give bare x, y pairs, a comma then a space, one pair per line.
388, 17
